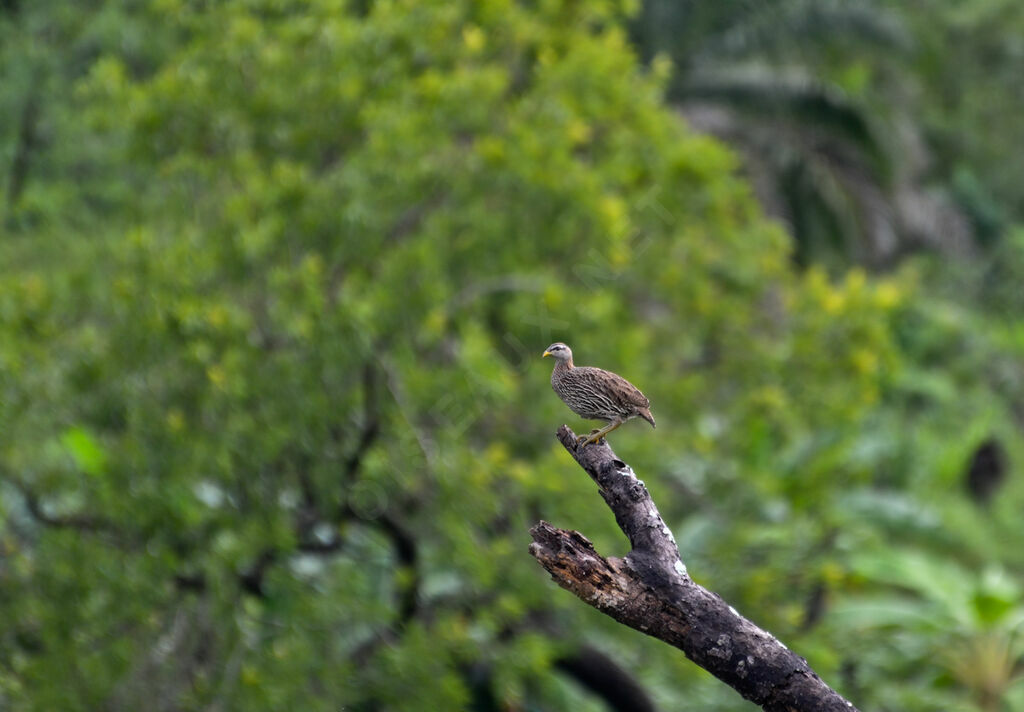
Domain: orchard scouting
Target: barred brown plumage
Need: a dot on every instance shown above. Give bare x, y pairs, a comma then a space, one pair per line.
596, 394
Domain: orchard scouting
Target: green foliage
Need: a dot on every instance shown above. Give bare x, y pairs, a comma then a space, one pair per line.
830, 104
275, 422
966, 57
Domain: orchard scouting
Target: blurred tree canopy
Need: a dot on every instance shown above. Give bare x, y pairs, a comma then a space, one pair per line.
874, 129
274, 422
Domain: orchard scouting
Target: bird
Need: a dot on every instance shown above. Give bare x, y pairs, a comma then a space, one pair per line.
596, 394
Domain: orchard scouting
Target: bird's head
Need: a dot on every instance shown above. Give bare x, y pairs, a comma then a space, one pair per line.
559, 351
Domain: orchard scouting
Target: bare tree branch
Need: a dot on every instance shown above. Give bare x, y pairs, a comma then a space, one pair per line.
28, 140
371, 424
80, 521
650, 590
413, 217
605, 678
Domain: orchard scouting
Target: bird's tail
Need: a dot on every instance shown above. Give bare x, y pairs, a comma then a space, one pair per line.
645, 413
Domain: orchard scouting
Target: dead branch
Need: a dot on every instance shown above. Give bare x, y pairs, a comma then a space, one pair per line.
649, 590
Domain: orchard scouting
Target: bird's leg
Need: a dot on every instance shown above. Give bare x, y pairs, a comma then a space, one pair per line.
581, 438
596, 436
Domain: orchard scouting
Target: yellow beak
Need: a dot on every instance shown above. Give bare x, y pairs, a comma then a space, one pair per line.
546, 353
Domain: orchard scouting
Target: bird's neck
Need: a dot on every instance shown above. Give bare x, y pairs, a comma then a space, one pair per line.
564, 365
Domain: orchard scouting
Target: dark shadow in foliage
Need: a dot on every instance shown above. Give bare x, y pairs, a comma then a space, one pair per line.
986, 472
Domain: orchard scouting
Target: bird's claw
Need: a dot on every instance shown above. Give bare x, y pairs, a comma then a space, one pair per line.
582, 440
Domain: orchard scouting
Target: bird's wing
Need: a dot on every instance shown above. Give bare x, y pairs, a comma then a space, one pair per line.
614, 385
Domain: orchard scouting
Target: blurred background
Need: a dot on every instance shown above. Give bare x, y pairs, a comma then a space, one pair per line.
276, 279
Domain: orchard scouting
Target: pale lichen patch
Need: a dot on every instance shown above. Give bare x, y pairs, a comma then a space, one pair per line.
723, 647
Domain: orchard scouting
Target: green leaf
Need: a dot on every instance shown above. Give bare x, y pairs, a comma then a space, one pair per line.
89, 455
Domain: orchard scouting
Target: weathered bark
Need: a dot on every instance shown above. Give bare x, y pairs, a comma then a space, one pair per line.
650, 590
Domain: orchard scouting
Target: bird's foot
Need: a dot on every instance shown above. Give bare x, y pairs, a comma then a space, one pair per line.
582, 440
